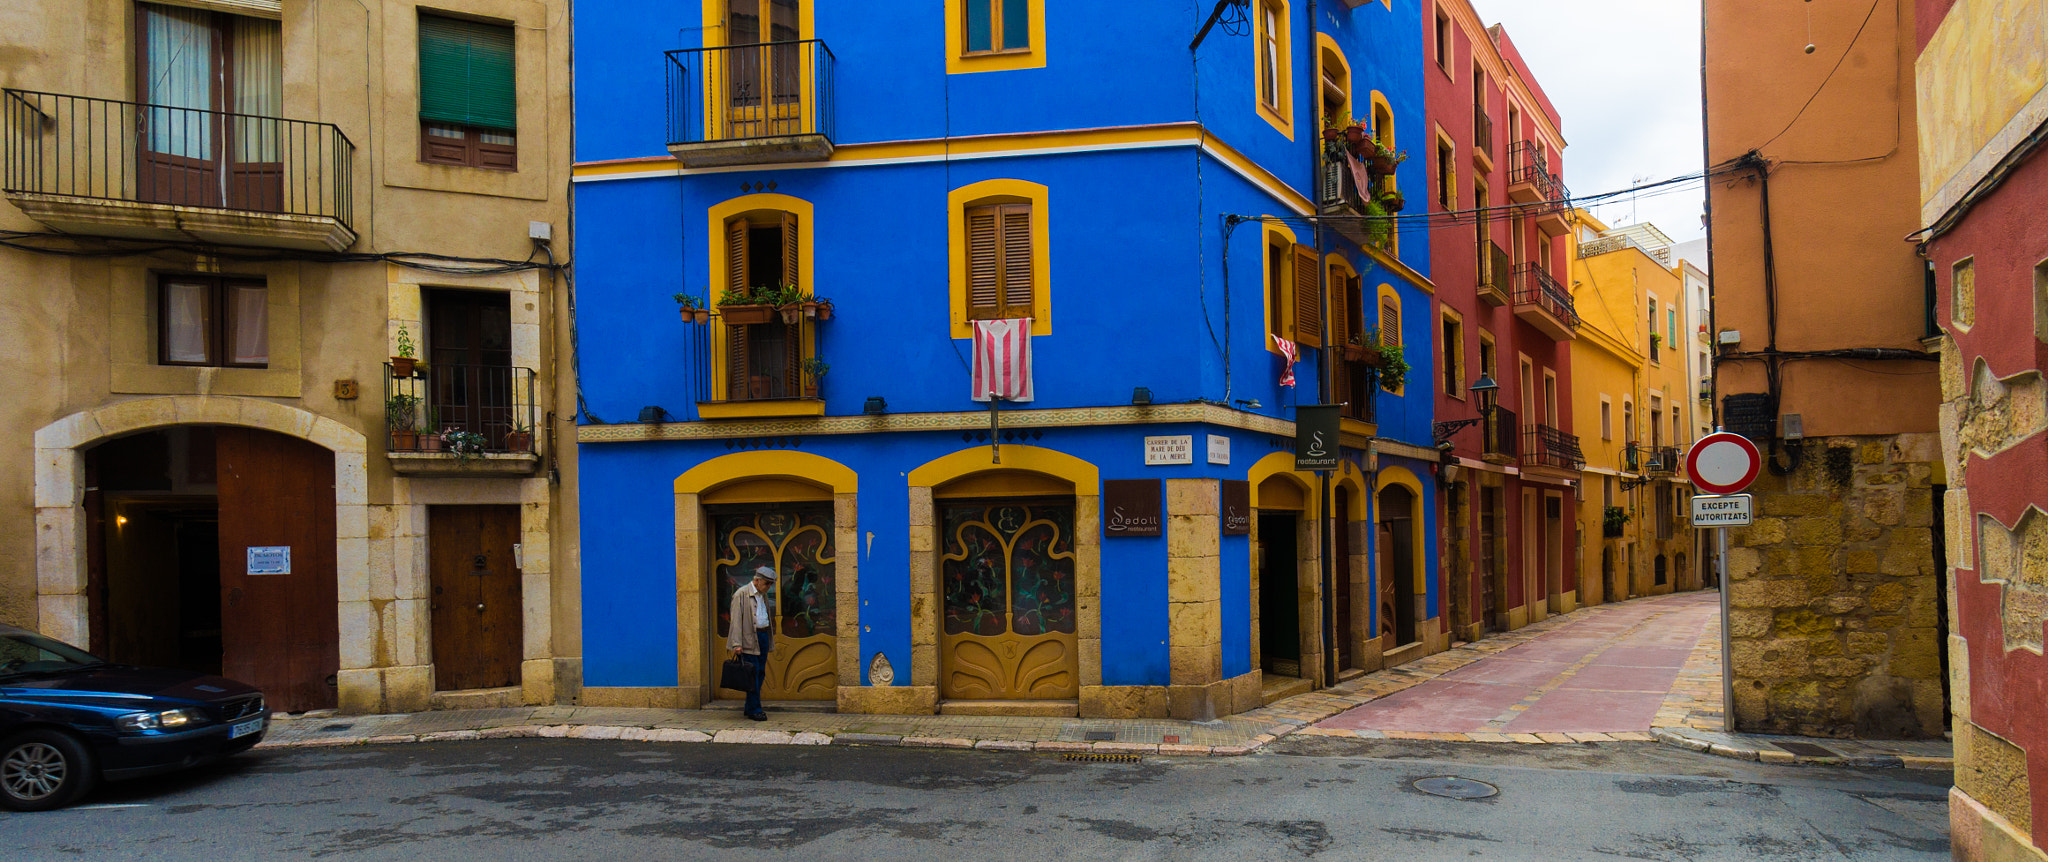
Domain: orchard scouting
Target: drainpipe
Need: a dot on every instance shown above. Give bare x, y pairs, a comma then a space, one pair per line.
1323, 368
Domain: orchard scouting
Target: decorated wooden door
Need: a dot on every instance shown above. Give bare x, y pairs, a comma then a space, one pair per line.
476, 613
1007, 623
796, 542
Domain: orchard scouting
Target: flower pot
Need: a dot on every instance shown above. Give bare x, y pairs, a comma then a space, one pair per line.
1393, 203
519, 441
1354, 134
1381, 163
824, 311
810, 309
791, 314
1332, 134
401, 366
810, 390
1374, 358
404, 441
433, 443
743, 315
1354, 352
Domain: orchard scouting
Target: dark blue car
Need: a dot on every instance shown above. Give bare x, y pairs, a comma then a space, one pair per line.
68, 720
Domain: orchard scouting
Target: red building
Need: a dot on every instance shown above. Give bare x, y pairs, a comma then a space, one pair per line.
1498, 215
1984, 192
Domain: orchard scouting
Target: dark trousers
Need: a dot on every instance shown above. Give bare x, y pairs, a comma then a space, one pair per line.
760, 663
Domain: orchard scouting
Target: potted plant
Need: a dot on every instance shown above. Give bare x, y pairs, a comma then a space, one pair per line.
1613, 520
520, 438
1392, 201
1384, 161
815, 370
1656, 339
431, 442
401, 365
692, 313
467, 445
1355, 350
789, 301
824, 308
744, 307
1394, 371
401, 411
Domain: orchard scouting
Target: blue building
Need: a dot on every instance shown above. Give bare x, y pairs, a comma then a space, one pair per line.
840, 196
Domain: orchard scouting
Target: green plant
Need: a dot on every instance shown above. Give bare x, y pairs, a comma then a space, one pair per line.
788, 294
1379, 224
401, 411
686, 301
816, 369
1394, 374
1656, 338
467, 445
405, 347
1613, 519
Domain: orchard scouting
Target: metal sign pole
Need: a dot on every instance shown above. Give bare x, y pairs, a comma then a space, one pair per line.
1727, 658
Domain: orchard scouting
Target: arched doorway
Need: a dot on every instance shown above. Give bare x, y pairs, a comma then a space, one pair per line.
1282, 506
212, 548
770, 523
1009, 622
1400, 606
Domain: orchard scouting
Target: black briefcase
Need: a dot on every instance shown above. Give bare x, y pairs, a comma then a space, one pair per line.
736, 674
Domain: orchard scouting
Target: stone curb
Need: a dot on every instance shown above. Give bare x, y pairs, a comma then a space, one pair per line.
774, 737
1762, 754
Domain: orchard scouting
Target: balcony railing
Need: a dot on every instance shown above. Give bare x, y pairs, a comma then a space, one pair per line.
1543, 303
1482, 132
493, 401
751, 104
1529, 167
1496, 278
1619, 242
1358, 386
752, 362
1545, 446
91, 165
1502, 435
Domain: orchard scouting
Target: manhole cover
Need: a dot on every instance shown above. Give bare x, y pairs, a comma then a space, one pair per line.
1806, 749
1455, 788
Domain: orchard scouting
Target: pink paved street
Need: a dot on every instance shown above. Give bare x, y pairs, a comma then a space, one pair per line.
1608, 673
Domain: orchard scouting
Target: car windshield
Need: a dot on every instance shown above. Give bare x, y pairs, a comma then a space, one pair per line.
24, 653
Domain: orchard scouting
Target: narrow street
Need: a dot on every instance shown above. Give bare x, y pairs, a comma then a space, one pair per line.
1307, 797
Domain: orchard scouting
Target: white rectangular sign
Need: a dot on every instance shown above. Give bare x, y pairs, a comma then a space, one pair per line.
1170, 450
1219, 449
1721, 510
270, 560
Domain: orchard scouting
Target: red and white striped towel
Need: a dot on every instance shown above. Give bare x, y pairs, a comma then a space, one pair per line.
1002, 359
1293, 355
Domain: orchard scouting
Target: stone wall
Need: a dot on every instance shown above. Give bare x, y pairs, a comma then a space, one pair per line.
1833, 623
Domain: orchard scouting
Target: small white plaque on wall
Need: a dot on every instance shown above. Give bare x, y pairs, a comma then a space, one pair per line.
1170, 450
1219, 449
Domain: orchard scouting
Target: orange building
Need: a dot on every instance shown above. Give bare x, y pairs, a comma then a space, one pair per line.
1821, 315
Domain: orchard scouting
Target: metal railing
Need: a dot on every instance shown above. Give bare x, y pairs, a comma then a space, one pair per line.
1657, 460
1528, 164
495, 401
755, 361
1615, 243
1358, 386
1339, 183
1497, 277
1501, 434
742, 92
1545, 446
77, 146
1534, 286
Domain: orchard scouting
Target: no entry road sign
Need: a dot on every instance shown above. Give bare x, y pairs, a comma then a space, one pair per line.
1723, 463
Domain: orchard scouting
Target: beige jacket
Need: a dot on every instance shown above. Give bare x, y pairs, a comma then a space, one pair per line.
741, 633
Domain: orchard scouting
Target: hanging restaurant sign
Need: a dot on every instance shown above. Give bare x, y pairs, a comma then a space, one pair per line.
1315, 437
1130, 507
1236, 508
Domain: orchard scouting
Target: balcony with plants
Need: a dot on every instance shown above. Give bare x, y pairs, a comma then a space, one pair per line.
1357, 181
758, 104
1365, 368
166, 173
755, 353
459, 420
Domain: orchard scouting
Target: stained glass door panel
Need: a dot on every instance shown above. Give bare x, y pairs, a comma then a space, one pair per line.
796, 542
1007, 621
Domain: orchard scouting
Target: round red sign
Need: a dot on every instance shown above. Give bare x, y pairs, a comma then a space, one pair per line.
1723, 463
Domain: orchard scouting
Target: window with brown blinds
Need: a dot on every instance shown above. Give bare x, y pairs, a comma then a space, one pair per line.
1390, 322
762, 360
999, 268
1308, 300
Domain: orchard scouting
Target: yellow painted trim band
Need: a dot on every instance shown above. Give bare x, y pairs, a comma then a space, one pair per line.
783, 464
1084, 476
1282, 464
759, 409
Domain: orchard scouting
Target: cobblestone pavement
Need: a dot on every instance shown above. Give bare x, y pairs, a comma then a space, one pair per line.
1684, 710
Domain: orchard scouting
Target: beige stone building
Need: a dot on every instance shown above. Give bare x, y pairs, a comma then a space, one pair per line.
224, 220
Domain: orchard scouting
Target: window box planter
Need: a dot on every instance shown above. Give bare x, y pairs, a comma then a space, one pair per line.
1393, 202
405, 441
743, 315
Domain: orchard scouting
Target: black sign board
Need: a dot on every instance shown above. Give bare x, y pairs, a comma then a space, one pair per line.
1751, 415
1237, 507
1130, 507
1315, 437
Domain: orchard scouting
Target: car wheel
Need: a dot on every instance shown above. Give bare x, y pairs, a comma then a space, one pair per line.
43, 769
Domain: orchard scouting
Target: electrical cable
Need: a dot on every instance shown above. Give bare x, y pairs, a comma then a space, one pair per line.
1831, 75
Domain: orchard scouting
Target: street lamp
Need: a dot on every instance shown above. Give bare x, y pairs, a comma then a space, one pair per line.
1487, 393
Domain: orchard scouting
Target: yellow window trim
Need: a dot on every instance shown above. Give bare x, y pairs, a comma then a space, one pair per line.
801, 467
1275, 234
1282, 115
714, 22
1326, 51
1386, 292
715, 219
958, 61
760, 409
1084, 476
957, 203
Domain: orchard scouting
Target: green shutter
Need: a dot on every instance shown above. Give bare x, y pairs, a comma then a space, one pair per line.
466, 76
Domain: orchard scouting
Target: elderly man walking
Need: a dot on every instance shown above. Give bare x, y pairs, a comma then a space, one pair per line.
752, 634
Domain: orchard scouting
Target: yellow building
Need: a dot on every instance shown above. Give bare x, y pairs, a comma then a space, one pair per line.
1632, 393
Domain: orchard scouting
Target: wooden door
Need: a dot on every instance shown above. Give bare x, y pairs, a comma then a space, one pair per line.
213, 84
762, 68
469, 367
1007, 625
477, 609
278, 631
1279, 592
796, 542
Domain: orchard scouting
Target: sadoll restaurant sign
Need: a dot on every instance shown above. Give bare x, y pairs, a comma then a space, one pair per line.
1130, 507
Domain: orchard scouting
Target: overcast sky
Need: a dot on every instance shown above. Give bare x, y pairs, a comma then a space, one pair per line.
1625, 77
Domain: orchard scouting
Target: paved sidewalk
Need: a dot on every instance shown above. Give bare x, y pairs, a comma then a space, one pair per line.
1667, 672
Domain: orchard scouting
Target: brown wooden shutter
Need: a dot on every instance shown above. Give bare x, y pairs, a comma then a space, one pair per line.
1390, 323
789, 250
736, 255
984, 263
1308, 301
1017, 275
1340, 322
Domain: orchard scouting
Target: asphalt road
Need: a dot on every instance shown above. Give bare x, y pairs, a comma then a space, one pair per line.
1318, 797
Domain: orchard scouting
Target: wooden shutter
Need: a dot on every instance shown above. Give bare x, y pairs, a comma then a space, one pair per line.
1017, 274
1308, 300
736, 255
466, 73
984, 263
736, 336
1390, 323
789, 249
1340, 328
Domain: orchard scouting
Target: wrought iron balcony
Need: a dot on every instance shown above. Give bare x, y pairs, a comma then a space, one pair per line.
1545, 446
1496, 275
477, 418
1358, 386
111, 168
1542, 303
1538, 189
1502, 436
774, 363
1654, 460
751, 104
